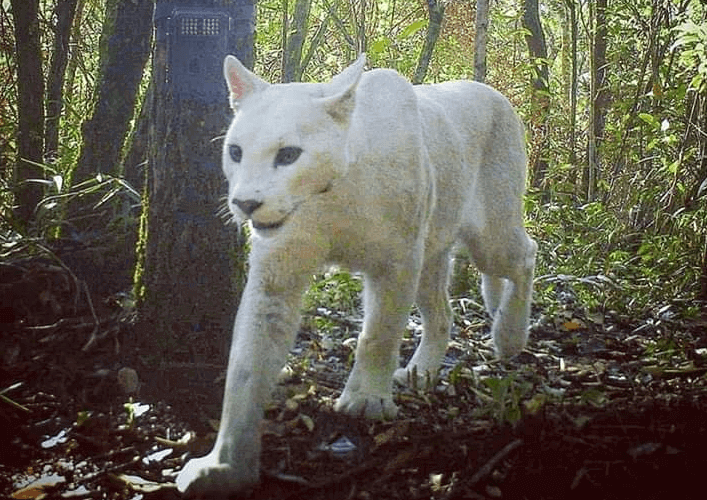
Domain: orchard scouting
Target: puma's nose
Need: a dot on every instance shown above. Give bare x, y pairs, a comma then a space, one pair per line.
247, 206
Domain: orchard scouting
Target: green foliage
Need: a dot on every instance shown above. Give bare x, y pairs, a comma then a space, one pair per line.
108, 191
390, 32
336, 290
79, 95
609, 264
691, 44
130, 410
503, 396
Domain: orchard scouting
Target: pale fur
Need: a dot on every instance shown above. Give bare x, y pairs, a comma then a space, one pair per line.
389, 179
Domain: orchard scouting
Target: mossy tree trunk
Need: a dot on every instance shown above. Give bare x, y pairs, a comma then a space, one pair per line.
124, 50
293, 41
599, 100
108, 233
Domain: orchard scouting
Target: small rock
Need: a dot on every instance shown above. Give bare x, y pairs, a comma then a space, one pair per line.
128, 380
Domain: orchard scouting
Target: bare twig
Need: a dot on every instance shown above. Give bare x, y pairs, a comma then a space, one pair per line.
92, 339
488, 466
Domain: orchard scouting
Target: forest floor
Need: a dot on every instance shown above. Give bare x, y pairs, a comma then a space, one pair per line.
596, 407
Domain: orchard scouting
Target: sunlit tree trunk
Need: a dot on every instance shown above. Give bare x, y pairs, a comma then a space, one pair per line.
482, 24
30, 110
436, 13
293, 41
75, 40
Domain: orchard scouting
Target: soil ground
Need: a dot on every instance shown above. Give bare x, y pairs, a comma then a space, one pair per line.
602, 408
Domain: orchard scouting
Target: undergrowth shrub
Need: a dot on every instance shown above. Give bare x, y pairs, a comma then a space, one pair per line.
612, 266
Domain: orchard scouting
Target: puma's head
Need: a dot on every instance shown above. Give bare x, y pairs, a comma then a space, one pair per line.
286, 145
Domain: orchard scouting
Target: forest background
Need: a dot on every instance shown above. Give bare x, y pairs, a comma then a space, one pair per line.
614, 95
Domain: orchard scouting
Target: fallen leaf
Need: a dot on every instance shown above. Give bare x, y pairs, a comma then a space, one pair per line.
573, 324
36, 489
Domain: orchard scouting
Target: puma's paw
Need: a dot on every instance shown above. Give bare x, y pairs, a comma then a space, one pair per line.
506, 351
508, 343
206, 477
369, 405
412, 378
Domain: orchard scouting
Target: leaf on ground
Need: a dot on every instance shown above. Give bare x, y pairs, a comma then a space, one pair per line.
573, 324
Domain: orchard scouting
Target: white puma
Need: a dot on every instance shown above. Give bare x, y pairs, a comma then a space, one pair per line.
368, 172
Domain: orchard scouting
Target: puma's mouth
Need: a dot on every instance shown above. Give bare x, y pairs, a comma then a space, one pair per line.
270, 225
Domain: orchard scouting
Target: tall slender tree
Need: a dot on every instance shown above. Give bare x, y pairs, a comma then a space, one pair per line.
293, 41
540, 79
570, 60
482, 25
30, 108
599, 97
64, 12
435, 10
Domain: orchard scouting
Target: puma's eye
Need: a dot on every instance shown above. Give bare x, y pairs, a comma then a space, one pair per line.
235, 152
287, 156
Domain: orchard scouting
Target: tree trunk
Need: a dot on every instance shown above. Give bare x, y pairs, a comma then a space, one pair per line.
572, 79
135, 162
482, 24
702, 294
109, 232
599, 98
292, 49
124, 50
30, 110
436, 12
75, 39
194, 262
541, 91
64, 14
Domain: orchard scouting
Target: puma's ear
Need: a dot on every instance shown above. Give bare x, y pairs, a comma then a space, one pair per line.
241, 82
349, 76
341, 104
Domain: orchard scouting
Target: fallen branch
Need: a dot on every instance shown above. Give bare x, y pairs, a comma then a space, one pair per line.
488, 466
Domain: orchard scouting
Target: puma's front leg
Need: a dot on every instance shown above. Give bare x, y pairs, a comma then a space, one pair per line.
263, 333
369, 389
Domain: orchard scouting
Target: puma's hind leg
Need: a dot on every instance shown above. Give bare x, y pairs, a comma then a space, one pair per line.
507, 287
433, 302
492, 291
510, 323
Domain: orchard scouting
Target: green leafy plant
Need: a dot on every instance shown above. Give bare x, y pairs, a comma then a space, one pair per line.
337, 290
502, 397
